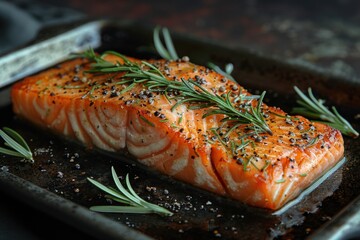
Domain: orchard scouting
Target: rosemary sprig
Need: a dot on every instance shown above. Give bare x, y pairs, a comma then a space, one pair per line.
315, 109
228, 70
126, 196
190, 91
16, 145
168, 52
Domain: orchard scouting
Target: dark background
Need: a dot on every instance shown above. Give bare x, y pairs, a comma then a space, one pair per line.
323, 34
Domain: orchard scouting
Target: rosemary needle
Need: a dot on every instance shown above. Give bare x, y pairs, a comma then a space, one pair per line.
16, 145
168, 52
126, 196
315, 109
228, 70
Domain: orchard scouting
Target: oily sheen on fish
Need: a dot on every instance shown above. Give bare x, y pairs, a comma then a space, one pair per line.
267, 171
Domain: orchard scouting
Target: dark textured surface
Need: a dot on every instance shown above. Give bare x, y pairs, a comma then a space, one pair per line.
281, 30
197, 212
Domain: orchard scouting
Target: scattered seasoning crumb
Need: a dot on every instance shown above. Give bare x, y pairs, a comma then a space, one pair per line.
325, 218
234, 87
185, 59
59, 175
4, 168
42, 169
76, 190
151, 189
217, 233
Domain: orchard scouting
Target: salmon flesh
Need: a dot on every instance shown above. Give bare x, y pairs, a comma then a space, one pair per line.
257, 168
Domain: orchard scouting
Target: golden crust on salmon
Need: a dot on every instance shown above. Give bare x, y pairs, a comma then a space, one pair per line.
257, 168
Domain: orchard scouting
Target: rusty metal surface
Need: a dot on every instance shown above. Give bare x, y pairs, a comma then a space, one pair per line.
62, 166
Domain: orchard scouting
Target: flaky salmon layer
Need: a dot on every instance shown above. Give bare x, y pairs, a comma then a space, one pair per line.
268, 171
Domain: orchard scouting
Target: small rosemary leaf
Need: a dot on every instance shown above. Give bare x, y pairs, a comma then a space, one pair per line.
242, 145
106, 189
151, 66
218, 137
111, 69
318, 103
153, 75
102, 65
147, 121
267, 163
306, 113
121, 209
126, 60
308, 104
155, 208
127, 181
17, 137
280, 180
169, 44
233, 118
258, 108
232, 129
200, 106
219, 70
212, 112
181, 102
159, 46
257, 168
245, 165
10, 152
180, 119
124, 82
16, 146
118, 199
350, 131
128, 88
134, 75
121, 187
278, 115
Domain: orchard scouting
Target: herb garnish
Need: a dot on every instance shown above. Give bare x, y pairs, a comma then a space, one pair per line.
228, 70
189, 90
168, 52
125, 196
16, 144
314, 108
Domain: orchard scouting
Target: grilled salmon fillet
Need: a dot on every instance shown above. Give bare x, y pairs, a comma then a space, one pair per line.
260, 169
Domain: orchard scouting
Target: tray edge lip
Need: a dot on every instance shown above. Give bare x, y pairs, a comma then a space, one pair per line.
53, 202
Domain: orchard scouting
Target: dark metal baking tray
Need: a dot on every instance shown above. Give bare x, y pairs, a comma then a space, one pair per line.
330, 208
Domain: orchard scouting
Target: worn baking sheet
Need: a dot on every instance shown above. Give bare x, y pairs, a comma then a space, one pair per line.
56, 183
